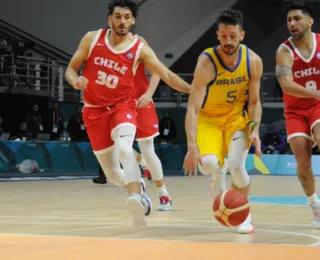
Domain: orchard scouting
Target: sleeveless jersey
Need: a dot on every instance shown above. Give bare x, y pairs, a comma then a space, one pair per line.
110, 72
228, 92
306, 72
141, 81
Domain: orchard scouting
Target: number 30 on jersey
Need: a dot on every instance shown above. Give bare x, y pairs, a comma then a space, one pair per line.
111, 81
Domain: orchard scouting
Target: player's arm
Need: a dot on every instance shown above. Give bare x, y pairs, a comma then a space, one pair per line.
153, 85
284, 62
154, 65
254, 103
78, 59
203, 75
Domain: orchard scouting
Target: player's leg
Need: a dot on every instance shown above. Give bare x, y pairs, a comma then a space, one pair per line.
300, 140
210, 144
238, 151
147, 129
109, 145
222, 176
142, 164
109, 162
311, 194
96, 123
123, 125
154, 165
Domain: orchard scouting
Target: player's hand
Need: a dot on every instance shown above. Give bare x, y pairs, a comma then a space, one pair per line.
80, 83
254, 137
144, 100
191, 161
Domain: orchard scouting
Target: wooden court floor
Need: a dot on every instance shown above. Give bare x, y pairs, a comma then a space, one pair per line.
76, 219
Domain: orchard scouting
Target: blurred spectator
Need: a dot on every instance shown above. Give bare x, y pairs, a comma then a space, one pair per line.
76, 128
55, 122
167, 128
23, 133
34, 121
273, 142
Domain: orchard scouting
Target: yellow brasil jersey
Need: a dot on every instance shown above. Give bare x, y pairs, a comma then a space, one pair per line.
228, 92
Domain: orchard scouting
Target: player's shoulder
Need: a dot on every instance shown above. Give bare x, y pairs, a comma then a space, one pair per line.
209, 50
253, 56
143, 40
90, 35
283, 50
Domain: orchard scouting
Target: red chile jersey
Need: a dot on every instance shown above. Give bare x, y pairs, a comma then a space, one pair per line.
110, 72
306, 72
141, 81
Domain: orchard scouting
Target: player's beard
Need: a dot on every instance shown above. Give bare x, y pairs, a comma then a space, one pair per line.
118, 31
230, 52
302, 34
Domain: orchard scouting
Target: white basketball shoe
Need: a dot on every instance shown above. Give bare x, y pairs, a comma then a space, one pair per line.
315, 217
139, 206
246, 227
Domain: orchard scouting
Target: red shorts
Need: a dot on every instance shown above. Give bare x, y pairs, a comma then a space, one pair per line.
301, 122
147, 122
101, 121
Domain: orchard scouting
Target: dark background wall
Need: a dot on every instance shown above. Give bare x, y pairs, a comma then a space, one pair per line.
266, 29
63, 23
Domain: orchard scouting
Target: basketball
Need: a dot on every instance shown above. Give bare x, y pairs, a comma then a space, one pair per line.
231, 208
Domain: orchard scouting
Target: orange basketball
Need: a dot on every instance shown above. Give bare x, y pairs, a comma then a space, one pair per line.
231, 208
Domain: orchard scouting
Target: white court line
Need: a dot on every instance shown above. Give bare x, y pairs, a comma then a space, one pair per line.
167, 225
149, 219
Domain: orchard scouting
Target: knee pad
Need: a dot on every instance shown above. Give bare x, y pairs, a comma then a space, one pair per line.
125, 147
210, 164
124, 140
240, 177
115, 175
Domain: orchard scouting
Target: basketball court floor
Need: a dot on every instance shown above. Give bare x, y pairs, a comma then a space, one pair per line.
76, 219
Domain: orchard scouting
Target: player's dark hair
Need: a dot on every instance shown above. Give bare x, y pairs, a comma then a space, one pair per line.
131, 5
304, 8
230, 17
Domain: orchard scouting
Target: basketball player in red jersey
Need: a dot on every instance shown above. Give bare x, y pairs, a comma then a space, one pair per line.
298, 72
147, 130
110, 58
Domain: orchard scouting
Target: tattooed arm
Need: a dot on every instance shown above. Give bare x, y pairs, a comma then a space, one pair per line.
284, 62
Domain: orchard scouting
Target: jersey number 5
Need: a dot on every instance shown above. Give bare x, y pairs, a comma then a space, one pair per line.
111, 81
231, 96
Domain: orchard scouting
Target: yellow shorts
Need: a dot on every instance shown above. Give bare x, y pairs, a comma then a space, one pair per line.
214, 134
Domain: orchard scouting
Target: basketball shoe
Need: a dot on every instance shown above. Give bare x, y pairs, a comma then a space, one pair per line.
139, 206
315, 217
246, 227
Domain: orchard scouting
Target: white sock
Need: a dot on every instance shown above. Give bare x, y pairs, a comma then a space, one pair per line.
162, 191
313, 200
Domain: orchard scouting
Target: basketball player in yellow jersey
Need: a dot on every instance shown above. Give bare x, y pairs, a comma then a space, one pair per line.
226, 76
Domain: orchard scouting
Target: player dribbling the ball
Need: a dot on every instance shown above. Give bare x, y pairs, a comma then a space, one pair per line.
225, 78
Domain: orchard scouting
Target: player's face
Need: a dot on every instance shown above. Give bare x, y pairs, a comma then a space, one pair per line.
121, 21
298, 23
230, 37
